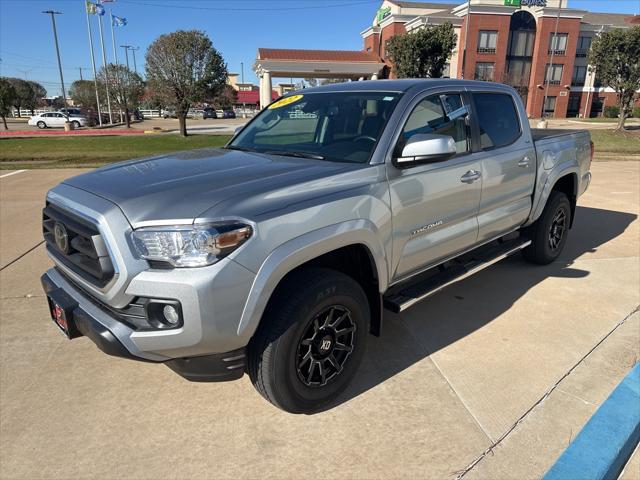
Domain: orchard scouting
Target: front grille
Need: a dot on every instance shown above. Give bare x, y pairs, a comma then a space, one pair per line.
83, 252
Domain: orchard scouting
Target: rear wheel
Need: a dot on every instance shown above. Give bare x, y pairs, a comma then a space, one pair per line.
41, 124
310, 341
549, 233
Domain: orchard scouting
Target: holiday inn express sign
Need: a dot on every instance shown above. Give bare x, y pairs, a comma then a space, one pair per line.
525, 3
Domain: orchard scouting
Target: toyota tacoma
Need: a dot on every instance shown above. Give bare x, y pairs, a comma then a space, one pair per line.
277, 255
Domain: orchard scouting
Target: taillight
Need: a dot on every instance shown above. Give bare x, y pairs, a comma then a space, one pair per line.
593, 150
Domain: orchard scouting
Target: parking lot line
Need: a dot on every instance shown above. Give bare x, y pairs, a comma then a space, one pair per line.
12, 173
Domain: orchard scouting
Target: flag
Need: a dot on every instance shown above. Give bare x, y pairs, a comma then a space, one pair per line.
95, 8
119, 21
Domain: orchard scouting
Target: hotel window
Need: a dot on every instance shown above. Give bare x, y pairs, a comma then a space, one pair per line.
487, 40
386, 49
579, 76
549, 106
584, 44
518, 72
553, 74
484, 71
558, 44
521, 44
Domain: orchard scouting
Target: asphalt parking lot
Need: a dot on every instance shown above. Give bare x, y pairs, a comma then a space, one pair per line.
490, 378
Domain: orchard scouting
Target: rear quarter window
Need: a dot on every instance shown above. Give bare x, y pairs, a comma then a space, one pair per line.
498, 120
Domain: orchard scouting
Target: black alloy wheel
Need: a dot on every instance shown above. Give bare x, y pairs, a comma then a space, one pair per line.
325, 346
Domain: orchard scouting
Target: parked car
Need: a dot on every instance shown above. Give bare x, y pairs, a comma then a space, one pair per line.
168, 113
57, 119
276, 254
72, 112
228, 114
209, 112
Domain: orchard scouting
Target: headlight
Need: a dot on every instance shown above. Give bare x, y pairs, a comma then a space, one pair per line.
190, 245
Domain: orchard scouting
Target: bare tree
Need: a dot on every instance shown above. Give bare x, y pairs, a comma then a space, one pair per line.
7, 97
183, 67
126, 87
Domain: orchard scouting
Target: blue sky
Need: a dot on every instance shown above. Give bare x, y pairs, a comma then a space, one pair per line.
236, 27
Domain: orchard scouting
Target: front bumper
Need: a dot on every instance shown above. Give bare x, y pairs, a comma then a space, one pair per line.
112, 337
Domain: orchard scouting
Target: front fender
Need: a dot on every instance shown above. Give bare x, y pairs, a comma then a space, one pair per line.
302, 249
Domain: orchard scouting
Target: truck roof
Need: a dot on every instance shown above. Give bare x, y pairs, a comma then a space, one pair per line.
397, 85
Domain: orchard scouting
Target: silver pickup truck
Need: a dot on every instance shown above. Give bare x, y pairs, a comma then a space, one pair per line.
277, 254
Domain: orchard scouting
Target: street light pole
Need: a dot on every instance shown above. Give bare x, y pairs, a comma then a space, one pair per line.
135, 66
244, 107
554, 43
55, 38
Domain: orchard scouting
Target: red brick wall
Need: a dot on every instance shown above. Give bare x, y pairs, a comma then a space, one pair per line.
477, 22
541, 57
372, 42
386, 33
609, 98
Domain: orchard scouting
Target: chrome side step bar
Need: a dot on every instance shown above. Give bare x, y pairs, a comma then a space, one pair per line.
451, 272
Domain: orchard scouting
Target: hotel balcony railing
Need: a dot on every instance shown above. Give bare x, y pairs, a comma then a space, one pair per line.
582, 52
577, 83
486, 50
556, 52
552, 82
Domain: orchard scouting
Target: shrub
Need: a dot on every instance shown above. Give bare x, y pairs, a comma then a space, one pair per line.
611, 111
636, 112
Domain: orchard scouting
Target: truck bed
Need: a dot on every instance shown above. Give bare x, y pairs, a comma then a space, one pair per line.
543, 133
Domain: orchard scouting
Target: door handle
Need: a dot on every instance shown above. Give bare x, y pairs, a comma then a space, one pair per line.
470, 177
524, 162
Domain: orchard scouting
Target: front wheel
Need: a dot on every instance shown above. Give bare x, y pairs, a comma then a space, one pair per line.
41, 125
310, 340
76, 124
549, 233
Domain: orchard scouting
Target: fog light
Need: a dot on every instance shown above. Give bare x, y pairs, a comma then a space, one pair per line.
171, 315
164, 313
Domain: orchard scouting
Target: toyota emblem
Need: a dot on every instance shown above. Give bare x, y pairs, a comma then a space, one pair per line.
61, 237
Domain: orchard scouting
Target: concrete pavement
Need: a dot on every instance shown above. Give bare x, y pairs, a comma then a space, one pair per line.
490, 378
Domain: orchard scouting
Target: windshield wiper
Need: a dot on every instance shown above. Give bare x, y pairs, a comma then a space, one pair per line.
286, 153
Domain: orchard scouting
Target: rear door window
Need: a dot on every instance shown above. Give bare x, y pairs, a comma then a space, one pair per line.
498, 120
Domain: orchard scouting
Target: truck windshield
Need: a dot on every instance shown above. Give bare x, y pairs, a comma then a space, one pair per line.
336, 126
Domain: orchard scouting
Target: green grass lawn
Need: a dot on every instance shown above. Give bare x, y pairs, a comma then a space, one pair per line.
629, 121
609, 141
55, 152
40, 152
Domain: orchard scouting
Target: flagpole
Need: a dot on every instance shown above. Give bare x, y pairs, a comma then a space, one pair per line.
113, 40
115, 56
104, 65
93, 62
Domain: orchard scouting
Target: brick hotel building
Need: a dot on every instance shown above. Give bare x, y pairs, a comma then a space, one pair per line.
513, 42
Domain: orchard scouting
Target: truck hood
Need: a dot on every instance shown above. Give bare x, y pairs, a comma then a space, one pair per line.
177, 188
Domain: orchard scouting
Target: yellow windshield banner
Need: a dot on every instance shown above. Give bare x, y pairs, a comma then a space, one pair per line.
285, 101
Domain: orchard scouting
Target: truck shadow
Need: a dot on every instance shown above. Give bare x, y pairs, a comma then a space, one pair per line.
465, 307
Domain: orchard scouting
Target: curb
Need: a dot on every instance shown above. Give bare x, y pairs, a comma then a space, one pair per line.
605, 444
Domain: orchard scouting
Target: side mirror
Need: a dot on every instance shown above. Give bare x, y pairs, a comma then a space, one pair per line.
425, 148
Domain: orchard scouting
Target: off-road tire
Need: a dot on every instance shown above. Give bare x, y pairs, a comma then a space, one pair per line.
274, 353
540, 232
